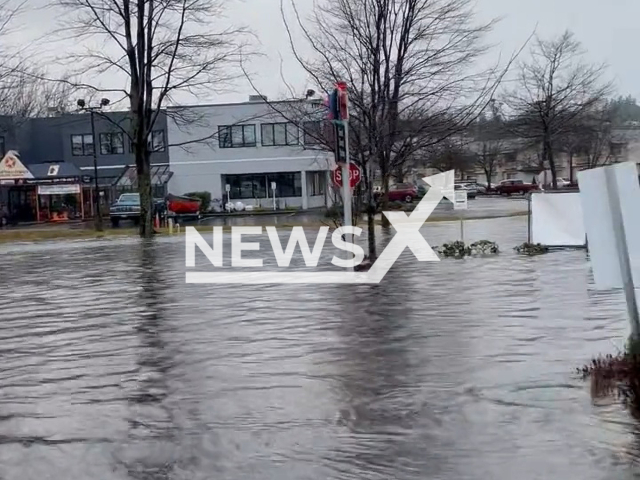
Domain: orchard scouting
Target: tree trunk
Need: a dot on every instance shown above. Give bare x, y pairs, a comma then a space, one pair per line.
144, 188
371, 216
571, 167
385, 197
547, 155
488, 174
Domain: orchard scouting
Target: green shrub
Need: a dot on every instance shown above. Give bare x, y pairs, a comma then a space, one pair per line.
204, 197
459, 249
531, 249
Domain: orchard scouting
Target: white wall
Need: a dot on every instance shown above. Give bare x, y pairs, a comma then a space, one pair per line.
199, 166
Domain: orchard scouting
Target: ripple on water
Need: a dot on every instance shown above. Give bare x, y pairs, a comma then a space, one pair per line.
112, 367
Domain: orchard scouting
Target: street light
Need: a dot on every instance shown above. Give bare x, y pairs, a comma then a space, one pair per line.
82, 105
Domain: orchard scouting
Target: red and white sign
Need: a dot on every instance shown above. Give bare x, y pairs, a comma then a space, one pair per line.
11, 168
355, 175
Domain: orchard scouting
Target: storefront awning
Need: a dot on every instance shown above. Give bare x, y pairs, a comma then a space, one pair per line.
160, 176
54, 173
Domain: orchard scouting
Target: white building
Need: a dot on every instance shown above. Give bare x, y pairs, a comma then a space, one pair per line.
247, 146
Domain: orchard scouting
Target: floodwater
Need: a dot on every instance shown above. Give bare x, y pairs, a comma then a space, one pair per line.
111, 367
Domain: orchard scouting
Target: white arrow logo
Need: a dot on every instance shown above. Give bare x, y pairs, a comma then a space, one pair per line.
407, 236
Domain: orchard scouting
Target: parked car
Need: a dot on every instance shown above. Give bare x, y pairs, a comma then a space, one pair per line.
480, 188
472, 191
127, 207
402, 192
511, 187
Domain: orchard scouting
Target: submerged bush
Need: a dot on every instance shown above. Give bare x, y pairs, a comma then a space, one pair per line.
484, 247
459, 249
531, 249
617, 375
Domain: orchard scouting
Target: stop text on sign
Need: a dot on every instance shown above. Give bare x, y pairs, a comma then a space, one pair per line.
355, 175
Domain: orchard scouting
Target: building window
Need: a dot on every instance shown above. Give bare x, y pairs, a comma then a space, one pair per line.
259, 185
287, 184
157, 141
111, 143
82, 144
279, 134
236, 136
312, 133
155, 144
316, 183
616, 149
247, 186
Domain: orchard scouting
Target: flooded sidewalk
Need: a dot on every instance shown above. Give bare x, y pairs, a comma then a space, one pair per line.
114, 368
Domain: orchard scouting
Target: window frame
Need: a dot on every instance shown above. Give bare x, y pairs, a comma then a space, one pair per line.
236, 181
83, 144
153, 148
287, 133
111, 136
229, 137
307, 136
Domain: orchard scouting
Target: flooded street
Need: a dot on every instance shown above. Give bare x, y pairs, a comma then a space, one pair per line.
111, 367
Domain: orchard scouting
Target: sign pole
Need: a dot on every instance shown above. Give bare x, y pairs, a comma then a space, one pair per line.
529, 217
346, 182
623, 252
273, 189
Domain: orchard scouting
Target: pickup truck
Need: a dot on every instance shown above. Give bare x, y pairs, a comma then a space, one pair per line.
511, 187
127, 207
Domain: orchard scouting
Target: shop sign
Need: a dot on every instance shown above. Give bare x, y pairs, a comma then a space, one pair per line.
11, 167
58, 189
53, 181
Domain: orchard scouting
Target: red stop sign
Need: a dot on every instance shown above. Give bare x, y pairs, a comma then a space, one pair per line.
355, 175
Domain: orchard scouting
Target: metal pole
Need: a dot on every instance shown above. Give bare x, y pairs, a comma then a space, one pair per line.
529, 218
346, 182
623, 252
461, 230
96, 198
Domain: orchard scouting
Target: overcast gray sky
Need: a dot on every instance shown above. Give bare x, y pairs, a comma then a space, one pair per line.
608, 31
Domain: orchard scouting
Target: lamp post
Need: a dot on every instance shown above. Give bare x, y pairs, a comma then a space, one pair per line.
96, 196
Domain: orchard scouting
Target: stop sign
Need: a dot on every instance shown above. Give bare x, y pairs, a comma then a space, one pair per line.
355, 175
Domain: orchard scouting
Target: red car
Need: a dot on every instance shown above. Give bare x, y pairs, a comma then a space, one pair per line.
402, 192
511, 187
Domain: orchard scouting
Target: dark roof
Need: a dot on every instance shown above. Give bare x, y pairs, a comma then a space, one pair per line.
45, 170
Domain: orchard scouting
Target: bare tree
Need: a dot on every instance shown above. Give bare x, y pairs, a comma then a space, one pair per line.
490, 143
155, 49
555, 88
489, 158
25, 93
409, 70
451, 155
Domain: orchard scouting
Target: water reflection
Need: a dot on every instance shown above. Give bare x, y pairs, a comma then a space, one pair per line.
113, 368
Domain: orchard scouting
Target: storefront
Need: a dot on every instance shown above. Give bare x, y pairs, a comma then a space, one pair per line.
59, 192
17, 199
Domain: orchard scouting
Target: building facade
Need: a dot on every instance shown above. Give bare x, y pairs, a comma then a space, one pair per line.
68, 140
240, 151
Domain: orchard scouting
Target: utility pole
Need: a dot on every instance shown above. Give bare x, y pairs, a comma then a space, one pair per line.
96, 194
339, 114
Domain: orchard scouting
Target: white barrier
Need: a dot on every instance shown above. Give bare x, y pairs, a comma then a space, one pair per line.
557, 220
